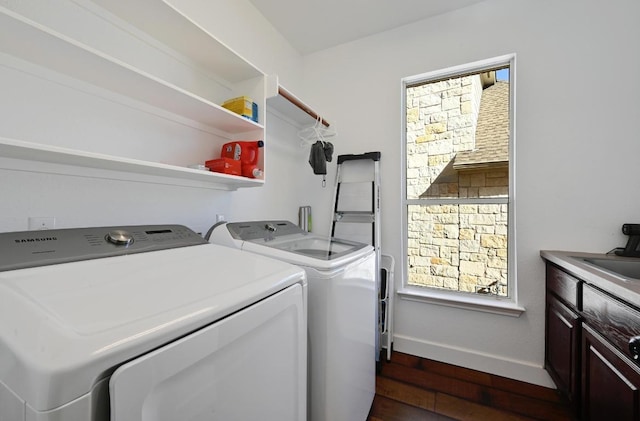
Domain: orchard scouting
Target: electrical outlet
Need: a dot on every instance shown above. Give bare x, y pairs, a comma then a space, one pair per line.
42, 222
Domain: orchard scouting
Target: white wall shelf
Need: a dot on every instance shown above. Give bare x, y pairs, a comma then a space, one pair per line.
133, 169
38, 44
172, 28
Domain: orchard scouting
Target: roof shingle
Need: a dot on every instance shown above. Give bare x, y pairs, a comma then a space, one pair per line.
492, 131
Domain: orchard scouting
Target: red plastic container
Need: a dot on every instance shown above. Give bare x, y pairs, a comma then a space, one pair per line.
225, 166
247, 153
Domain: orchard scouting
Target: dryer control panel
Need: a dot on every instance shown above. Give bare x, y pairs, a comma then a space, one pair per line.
24, 249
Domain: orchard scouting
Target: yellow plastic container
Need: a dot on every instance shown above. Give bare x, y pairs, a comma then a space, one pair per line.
242, 105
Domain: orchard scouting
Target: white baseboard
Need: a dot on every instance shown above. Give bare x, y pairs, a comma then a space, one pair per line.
513, 369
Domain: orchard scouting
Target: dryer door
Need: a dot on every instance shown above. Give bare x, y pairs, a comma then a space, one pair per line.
248, 366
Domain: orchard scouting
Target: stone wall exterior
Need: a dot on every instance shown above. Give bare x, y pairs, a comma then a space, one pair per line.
461, 247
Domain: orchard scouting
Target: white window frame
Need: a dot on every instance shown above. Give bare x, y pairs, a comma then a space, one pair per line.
487, 303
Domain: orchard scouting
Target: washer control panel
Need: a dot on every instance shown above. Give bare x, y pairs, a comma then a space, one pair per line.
19, 250
258, 230
120, 237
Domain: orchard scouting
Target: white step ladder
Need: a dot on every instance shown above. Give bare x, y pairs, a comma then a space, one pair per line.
356, 217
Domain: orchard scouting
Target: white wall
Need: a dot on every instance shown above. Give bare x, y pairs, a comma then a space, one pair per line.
577, 147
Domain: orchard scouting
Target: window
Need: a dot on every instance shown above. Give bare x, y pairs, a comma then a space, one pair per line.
458, 176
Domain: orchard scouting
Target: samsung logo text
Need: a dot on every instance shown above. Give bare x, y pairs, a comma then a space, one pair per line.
36, 240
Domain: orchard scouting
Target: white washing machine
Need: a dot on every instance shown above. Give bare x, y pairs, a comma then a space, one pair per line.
148, 323
342, 310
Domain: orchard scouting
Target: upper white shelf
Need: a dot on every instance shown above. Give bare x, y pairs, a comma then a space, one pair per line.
171, 27
38, 44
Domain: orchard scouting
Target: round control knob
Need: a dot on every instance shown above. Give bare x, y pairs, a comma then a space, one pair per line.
120, 237
634, 347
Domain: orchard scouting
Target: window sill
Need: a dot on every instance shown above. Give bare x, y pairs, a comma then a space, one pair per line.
493, 305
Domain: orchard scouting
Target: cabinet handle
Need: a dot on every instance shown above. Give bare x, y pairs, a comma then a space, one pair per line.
634, 347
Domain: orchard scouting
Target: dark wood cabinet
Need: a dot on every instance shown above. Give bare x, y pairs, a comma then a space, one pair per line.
610, 381
587, 350
562, 345
562, 356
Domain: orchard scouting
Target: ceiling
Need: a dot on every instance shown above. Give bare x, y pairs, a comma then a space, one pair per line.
313, 26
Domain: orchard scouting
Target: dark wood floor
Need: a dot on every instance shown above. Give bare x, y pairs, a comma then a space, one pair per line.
410, 388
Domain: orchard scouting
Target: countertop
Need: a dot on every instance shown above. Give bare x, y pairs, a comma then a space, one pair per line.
571, 261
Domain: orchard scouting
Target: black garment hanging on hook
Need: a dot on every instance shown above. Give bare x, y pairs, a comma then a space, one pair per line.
321, 153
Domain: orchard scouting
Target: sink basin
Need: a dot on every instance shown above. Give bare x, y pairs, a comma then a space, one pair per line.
622, 268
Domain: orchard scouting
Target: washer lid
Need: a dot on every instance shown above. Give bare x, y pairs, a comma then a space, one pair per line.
66, 326
285, 236
313, 246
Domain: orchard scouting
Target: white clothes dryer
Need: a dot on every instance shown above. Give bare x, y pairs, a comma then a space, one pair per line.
148, 323
342, 310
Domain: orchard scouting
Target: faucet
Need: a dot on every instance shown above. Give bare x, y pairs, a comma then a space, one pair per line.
632, 249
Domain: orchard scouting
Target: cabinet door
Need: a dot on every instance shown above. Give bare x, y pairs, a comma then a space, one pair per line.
610, 381
561, 353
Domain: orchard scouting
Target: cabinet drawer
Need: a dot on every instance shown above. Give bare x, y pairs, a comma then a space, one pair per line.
615, 320
564, 286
